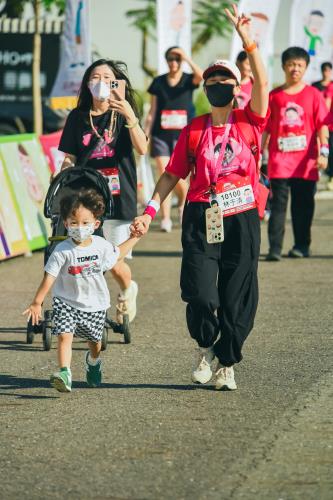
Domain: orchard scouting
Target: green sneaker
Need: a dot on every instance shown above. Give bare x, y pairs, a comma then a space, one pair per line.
93, 373
62, 380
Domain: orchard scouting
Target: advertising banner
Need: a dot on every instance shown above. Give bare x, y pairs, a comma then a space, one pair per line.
311, 27
50, 143
75, 52
12, 239
173, 28
28, 177
263, 18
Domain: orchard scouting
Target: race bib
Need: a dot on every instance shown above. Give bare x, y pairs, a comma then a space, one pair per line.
234, 196
173, 119
112, 176
292, 143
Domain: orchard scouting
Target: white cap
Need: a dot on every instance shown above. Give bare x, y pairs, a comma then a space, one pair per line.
223, 64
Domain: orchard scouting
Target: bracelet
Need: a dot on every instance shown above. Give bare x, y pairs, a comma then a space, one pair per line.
133, 125
250, 48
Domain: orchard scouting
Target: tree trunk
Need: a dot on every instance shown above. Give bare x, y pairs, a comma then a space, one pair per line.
147, 69
36, 90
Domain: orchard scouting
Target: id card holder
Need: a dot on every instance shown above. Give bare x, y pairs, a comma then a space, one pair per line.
112, 175
214, 224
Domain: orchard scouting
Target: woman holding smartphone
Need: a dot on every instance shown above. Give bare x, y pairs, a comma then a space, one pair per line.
106, 111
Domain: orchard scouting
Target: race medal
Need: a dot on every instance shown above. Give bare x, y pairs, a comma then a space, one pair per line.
292, 143
173, 119
234, 195
214, 224
112, 176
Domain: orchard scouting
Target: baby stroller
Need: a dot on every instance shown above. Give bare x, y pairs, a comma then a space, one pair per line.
66, 182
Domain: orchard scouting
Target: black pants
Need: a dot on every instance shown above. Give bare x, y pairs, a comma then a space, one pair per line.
329, 170
219, 281
302, 210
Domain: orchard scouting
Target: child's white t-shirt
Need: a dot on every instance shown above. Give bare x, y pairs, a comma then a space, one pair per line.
79, 271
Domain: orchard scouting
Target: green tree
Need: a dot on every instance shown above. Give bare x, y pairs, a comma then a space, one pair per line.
208, 21
15, 8
144, 20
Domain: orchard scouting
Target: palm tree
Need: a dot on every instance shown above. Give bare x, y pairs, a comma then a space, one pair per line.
210, 21
144, 20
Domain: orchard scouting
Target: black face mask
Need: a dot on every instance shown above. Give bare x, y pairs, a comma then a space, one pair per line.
220, 94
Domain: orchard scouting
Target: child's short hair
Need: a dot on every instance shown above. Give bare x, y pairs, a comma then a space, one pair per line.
295, 53
89, 199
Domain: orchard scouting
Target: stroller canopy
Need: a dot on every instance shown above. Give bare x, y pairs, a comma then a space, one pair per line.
71, 180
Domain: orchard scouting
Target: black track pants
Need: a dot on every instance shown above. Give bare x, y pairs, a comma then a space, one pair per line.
302, 210
219, 281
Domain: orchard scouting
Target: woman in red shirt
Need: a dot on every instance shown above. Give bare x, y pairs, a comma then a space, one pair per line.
221, 227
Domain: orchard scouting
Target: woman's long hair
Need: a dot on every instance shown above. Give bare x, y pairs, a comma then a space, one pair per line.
119, 69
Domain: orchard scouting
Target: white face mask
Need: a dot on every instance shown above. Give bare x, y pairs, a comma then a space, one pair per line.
100, 90
81, 233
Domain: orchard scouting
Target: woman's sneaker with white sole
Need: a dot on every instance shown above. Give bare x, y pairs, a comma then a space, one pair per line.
127, 303
203, 372
225, 378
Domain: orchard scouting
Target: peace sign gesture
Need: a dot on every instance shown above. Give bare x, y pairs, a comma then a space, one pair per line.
242, 23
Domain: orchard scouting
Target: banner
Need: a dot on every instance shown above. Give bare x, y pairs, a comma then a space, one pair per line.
12, 238
28, 177
311, 27
263, 18
50, 143
75, 54
173, 29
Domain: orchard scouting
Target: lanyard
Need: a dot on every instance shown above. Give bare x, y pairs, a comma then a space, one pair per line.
215, 164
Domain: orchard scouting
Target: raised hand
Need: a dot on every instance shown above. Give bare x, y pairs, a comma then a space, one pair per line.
242, 23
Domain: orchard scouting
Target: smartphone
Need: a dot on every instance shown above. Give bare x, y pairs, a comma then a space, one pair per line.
119, 86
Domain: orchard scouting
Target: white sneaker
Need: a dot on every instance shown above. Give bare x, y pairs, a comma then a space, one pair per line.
203, 372
166, 225
127, 303
225, 378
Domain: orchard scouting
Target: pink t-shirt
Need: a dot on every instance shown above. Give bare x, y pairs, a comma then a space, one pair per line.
244, 97
293, 126
238, 158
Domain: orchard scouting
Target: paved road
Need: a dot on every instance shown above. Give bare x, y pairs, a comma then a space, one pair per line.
148, 433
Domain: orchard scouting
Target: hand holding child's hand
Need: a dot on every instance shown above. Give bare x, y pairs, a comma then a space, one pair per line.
140, 225
34, 312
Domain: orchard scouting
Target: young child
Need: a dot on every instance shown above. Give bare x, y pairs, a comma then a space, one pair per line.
80, 293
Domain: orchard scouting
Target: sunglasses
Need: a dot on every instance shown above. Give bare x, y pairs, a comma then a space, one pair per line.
173, 58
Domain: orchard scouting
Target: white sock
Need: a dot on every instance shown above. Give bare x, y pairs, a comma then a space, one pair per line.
93, 361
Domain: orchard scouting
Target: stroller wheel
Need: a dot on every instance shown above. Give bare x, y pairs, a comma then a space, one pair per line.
30, 332
105, 338
47, 329
126, 330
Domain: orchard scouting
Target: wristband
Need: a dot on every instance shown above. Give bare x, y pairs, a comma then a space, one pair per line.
250, 48
324, 150
152, 208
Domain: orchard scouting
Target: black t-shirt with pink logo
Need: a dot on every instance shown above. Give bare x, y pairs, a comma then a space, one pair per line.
117, 153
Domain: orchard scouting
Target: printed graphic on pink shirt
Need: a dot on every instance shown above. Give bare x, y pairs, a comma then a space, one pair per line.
102, 149
292, 133
231, 161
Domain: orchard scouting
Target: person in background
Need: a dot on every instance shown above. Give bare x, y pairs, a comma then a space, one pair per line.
296, 124
171, 109
325, 85
112, 118
244, 67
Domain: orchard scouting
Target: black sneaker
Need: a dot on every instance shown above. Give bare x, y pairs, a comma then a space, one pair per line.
273, 257
297, 253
